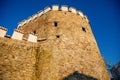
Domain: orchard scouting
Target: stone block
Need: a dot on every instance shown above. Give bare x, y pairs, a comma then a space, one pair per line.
17, 35
64, 8
55, 7
32, 38
3, 31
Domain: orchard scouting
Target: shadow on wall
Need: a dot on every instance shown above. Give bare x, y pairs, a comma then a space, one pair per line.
78, 76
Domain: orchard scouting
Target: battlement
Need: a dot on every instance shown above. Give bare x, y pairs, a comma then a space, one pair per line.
47, 9
18, 35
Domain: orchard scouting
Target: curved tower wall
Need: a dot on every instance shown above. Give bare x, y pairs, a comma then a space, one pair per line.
68, 44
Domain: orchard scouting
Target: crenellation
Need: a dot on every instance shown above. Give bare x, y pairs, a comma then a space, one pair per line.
55, 7
17, 34
23, 22
30, 19
34, 16
73, 10
47, 9
40, 13
64, 8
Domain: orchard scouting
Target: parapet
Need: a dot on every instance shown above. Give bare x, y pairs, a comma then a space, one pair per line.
40, 13
3, 31
34, 16
47, 9
18, 35
22, 23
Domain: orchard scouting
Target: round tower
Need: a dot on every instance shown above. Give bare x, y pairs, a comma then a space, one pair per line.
67, 44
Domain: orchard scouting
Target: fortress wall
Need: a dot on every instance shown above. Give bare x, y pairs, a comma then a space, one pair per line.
18, 60
70, 39
3, 31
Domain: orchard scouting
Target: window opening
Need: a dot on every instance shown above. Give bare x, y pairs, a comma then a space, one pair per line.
55, 24
83, 28
57, 36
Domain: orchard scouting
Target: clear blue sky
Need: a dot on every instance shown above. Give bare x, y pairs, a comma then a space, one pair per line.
104, 16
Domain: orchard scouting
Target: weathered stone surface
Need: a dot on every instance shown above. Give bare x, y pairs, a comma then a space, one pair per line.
17, 60
69, 46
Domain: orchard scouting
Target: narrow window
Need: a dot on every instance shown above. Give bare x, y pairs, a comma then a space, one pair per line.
83, 28
57, 36
55, 24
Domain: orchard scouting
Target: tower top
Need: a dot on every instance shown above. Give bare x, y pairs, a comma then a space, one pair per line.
54, 8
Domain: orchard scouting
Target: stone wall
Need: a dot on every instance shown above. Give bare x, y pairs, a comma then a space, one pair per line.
66, 44
17, 60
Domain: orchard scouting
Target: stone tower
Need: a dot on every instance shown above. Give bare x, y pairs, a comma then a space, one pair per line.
67, 44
